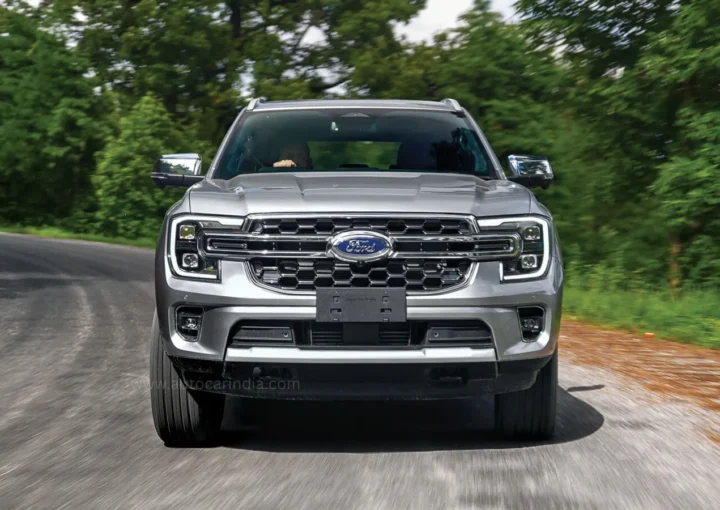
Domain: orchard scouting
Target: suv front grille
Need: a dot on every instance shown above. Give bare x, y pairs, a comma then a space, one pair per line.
386, 225
309, 274
295, 253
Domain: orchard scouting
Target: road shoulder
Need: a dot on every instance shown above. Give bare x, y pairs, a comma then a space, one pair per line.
672, 371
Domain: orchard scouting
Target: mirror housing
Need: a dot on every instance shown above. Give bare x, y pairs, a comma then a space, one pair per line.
531, 171
177, 170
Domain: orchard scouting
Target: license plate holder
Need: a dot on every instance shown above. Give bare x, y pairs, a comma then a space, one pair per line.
361, 305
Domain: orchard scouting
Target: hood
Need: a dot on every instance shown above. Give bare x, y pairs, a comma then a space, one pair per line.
359, 192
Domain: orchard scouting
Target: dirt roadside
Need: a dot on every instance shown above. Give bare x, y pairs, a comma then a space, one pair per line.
676, 371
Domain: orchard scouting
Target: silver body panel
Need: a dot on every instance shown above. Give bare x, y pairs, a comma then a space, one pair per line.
296, 355
359, 192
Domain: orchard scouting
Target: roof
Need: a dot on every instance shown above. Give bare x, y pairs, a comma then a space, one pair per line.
260, 104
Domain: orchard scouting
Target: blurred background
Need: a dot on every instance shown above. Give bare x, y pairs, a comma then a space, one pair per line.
622, 96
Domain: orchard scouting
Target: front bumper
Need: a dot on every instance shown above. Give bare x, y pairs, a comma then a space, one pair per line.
237, 298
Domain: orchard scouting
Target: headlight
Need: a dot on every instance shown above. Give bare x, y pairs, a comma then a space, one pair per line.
534, 256
186, 232
183, 250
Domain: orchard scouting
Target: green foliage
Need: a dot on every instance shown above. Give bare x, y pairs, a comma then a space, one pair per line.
689, 189
129, 204
694, 318
52, 123
351, 37
597, 35
647, 100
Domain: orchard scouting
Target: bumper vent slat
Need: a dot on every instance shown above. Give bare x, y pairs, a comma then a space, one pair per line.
264, 334
474, 333
408, 335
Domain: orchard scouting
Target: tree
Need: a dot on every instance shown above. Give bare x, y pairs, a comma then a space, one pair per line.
52, 122
598, 36
198, 57
646, 76
621, 96
487, 66
683, 66
129, 204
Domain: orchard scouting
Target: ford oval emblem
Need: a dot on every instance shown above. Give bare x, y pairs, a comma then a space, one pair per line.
360, 246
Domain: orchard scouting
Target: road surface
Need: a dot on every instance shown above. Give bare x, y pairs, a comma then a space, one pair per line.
76, 428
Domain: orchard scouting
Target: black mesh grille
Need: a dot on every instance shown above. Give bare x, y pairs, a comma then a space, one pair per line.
410, 274
389, 225
331, 334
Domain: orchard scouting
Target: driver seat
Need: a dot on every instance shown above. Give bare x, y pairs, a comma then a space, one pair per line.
415, 156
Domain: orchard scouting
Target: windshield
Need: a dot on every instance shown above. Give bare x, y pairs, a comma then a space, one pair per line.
351, 140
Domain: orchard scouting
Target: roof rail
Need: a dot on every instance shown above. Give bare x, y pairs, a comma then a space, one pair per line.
254, 102
452, 103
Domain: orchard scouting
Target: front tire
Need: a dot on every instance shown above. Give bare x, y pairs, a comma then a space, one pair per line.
182, 417
530, 413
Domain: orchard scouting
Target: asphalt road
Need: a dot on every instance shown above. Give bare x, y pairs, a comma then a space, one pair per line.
76, 428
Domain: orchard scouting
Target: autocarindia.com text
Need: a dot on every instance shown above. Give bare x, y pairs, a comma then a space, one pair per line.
246, 384
220, 385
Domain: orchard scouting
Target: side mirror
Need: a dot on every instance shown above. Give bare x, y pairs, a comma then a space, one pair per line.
531, 171
177, 170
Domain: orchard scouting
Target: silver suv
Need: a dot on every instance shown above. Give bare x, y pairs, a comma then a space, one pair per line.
345, 249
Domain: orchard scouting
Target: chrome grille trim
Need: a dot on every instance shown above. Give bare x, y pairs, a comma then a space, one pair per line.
208, 242
238, 246
505, 246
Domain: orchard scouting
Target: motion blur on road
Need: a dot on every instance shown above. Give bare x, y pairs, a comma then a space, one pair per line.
76, 428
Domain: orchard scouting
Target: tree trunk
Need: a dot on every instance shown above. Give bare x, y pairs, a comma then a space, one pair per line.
675, 275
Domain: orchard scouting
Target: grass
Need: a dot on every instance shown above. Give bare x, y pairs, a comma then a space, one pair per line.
692, 318
64, 234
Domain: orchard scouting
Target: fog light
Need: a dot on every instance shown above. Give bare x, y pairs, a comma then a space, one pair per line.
528, 261
532, 233
190, 261
189, 320
190, 323
187, 232
531, 324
